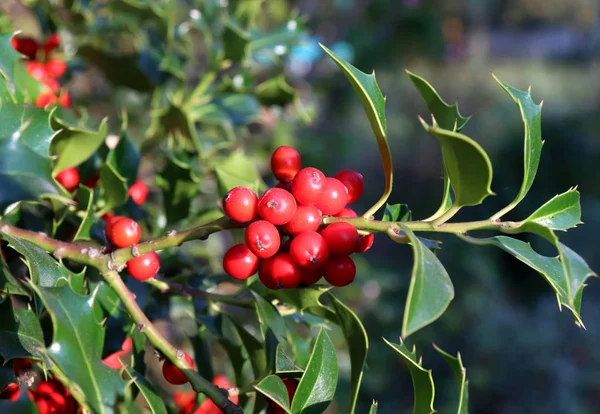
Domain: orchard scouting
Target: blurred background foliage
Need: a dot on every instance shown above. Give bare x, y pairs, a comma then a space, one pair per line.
521, 354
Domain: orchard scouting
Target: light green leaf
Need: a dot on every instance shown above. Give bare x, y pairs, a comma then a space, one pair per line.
468, 166
74, 348
447, 116
460, 372
274, 389
179, 186
374, 104
20, 331
284, 364
447, 198
155, 403
9, 57
237, 170
319, 381
397, 212
300, 299
374, 407
358, 345
269, 318
113, 187
275, 91
531, 115
85, 199
423, 385
74, 145
562, 212
430, 290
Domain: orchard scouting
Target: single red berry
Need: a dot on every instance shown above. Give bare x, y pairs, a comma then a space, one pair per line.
92, 181
353, 182
52, 43
37, 70
307, 218
113, 360
339, 271
285, 163
144, 267
44, 99
279, 272
241, 204
65, 99
277, 206
311, 276
239, 262
308, 186
291, 385
138, 192
124, 232
11, 392
347, 212
27, 46
262, 239
365, 243
68, 178
52, 84
342, 238
335, 197
56, 68
172, 374
309, 250
109, 220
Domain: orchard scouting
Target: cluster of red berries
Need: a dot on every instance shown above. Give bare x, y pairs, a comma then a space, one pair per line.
50, 395
44, 69
287, 245
186, 400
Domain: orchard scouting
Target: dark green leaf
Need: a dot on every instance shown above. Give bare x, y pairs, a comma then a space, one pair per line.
255, 350
237, 170
423, 385
284, 364
8, 282
74, 348
269, 317
319, 381
560, 213
174, 121
85, 200
20, 331
274, 389
447, 116
235, 42
397, 212
430, 289
155, 403
74, 145
113, 187
460, 372
275, 91
125, 158
358, 344
179, 185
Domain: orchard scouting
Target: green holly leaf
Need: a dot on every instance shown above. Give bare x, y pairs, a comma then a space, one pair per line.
397, 212
531, 114
255, 350
245, 11
235, 42
269, 318
9, 57
275, 390
319, 381
237, 170
358, 345
300, 299
430, 290
275, 91
173, 120
155, 403
447, 197
75, 347
179, 186
374, 105
113, 187
562, 212
20, 331
374, 407
469, 167
73, 145
460, 372
9, 283
284, 364
241, 109
125, 158
85, 199
422, 378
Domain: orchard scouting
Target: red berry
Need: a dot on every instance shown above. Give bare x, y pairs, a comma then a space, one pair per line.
11, 392
239, 262
25, 45
339, 271
52, 43
309, 250
263, 239
172, 374
307, 218
138, 192
308, 186
68, 178
56, 68
311, 276
124, 232
342, 238
285, 163
347, 212
334, 198
92, 181
109, 219
37, 70
44, 99
353, 182
65, 99
240, 204
112, 360
365, 243
279, 272
144, 267
51, 83
209, 407
277, 206
51, 397
291, 385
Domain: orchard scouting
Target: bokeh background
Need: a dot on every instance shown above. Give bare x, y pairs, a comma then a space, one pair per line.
522, 355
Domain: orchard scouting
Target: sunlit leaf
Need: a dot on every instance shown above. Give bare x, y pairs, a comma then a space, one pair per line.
274, 389
560, 213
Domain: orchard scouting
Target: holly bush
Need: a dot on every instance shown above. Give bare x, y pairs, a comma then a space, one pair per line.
137, 207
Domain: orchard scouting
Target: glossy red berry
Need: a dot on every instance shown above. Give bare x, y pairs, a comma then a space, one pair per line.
309, 250
353, 182
347, 212
365, 243
241, 204
263, 239
109, 219
335, 197
291, 385
37, 70
124, 232
11, 392
138, 192
239, 262
285, 163
52, 43
307, 218
44, 99
172, 374
308, 186
339, 271
144, 267
64, 99
277, 206
279, 272
51, 397
25, 45
68, 178
342, 238
311, 276
56, 68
